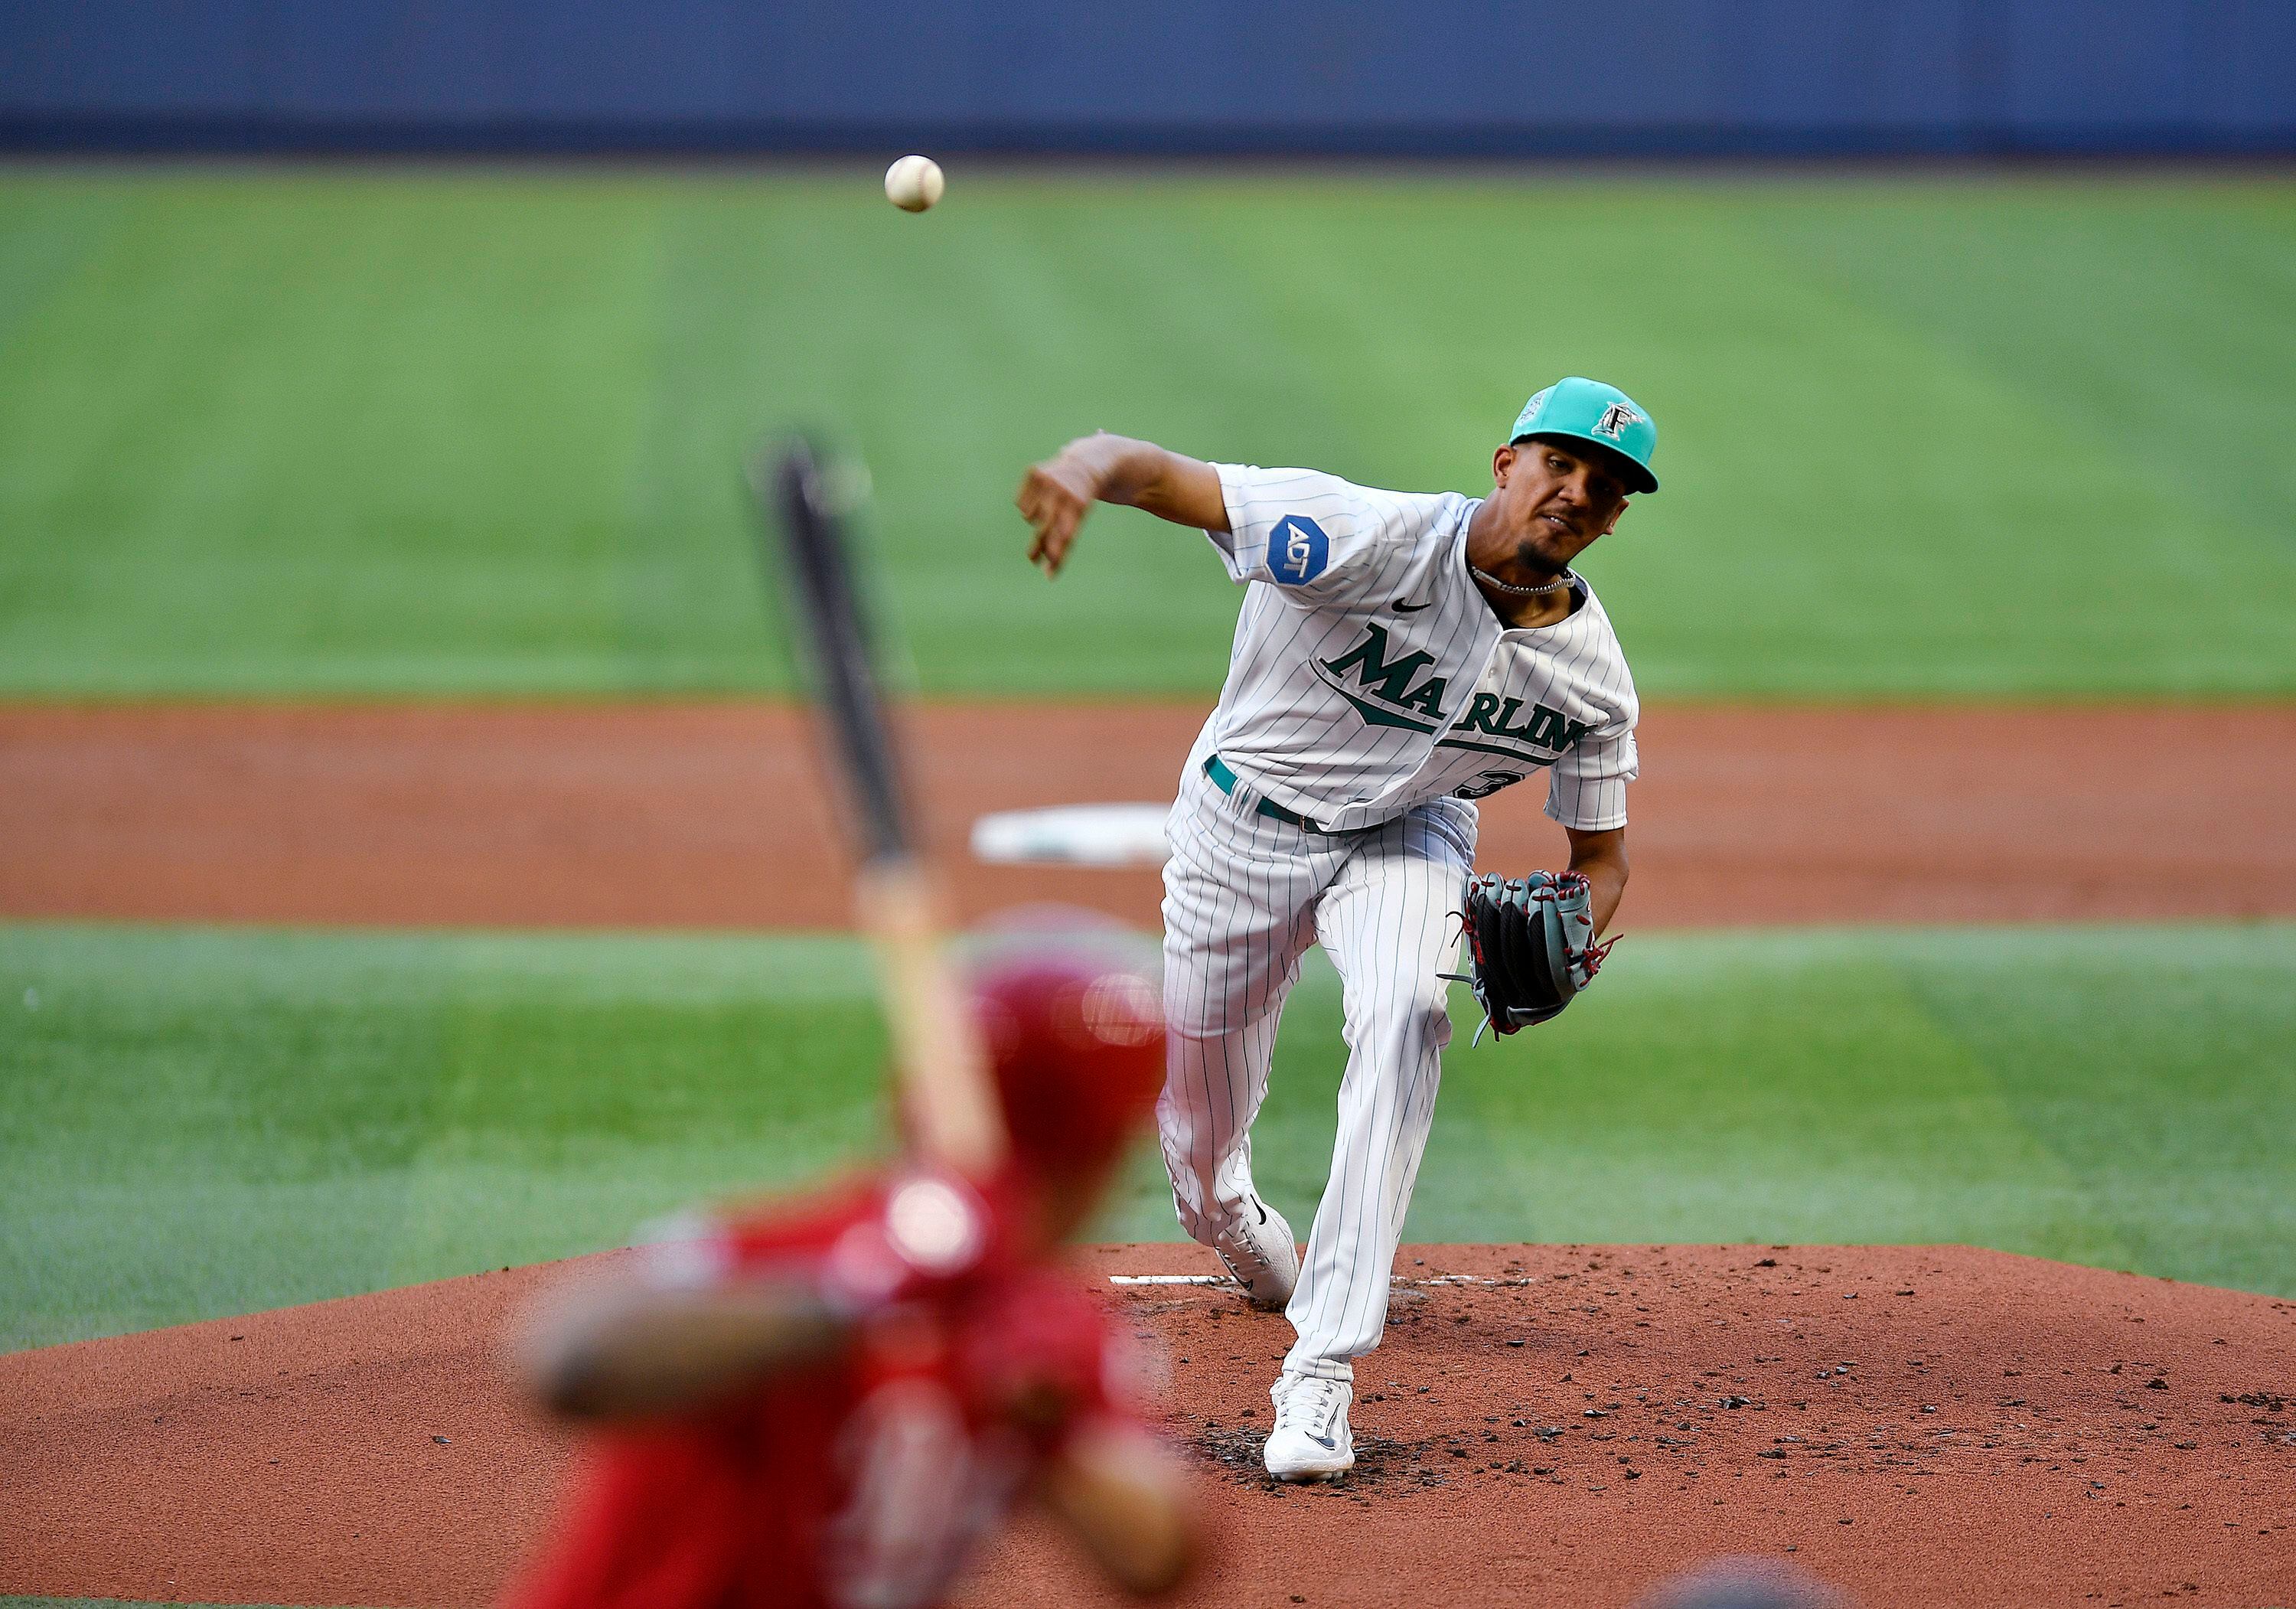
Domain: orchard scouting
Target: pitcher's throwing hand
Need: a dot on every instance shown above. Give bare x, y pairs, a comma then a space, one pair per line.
1057, 494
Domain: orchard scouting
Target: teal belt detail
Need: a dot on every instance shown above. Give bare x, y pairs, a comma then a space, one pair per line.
1216, 770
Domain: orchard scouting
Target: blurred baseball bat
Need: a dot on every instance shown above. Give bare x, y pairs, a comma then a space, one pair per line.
942, 1067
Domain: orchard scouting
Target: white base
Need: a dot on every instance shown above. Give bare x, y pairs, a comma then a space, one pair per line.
1106, 835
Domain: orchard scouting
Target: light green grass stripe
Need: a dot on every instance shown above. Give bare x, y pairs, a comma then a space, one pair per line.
205, 1121
379, 432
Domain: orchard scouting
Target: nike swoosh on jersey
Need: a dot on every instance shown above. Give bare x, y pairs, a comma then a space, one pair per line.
1403, 606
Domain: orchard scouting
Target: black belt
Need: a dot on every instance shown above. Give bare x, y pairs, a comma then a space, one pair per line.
1216, 770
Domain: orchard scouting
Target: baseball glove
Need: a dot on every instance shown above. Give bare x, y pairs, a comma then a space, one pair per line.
1532, 943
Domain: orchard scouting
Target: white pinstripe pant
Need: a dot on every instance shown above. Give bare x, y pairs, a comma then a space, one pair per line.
1243, 896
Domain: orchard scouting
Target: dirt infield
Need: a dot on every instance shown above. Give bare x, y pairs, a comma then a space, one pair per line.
1923, 1425
711, 815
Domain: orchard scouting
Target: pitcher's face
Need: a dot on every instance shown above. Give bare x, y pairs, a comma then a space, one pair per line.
1554, 497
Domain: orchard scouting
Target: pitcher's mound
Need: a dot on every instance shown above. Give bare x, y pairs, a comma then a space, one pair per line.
1544, 1425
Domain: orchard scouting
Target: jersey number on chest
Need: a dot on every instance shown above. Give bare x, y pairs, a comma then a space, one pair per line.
1486, 784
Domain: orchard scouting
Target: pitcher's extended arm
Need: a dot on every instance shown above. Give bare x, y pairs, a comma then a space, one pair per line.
1057, 494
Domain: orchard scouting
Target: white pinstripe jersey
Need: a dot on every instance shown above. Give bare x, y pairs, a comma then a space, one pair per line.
1369, 673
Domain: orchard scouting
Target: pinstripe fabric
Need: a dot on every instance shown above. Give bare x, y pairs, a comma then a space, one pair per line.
1243, 897
1373, 690
1481, 709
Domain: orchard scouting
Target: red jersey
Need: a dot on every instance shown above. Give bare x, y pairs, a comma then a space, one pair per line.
863, 1480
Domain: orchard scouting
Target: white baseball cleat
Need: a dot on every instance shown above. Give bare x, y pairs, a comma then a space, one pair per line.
1311, 1440
1261, 1253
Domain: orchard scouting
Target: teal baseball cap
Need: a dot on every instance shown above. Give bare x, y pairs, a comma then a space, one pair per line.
1591, 411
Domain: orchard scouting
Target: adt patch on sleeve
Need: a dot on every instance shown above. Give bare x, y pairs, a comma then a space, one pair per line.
1297, 551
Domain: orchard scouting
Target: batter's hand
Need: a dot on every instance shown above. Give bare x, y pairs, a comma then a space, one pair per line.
1054, 497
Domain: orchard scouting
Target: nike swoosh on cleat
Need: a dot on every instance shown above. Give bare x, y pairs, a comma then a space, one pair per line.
1326, 1442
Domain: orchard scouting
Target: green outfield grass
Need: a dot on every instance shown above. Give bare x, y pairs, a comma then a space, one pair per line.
381, 431
206, 1123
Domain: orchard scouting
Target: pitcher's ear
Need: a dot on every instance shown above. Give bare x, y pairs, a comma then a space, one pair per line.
1502, 460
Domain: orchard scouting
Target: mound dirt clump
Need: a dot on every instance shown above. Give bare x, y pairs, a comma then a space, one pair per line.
1545, 1424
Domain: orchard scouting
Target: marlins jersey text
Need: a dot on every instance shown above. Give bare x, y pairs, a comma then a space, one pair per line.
1369, 675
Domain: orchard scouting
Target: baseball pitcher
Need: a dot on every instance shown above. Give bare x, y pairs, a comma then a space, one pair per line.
1399, 656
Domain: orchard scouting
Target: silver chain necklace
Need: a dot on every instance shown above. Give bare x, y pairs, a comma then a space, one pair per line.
1489, 579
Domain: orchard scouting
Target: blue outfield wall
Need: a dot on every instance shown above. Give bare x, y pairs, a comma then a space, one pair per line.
1725, 77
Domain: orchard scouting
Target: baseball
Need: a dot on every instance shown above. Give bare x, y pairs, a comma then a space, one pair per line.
913, 183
